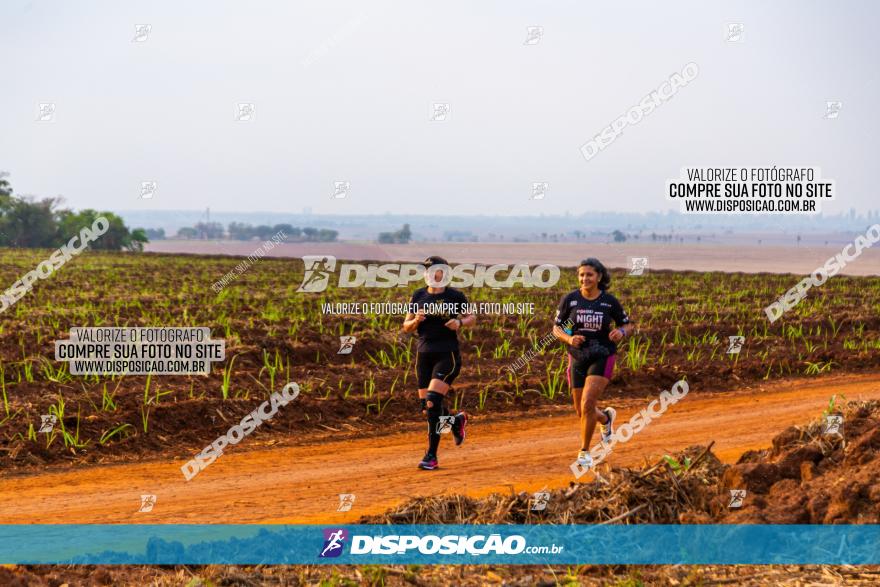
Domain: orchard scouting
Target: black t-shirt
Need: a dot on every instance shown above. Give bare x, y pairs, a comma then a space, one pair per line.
591, 318
433, 334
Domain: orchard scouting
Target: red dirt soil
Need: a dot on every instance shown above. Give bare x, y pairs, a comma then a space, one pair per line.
301, 484
808, 477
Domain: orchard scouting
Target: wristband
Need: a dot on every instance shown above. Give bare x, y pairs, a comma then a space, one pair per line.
622, 331
460, 324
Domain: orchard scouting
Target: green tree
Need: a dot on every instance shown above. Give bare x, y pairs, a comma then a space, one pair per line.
209, 230
326, 235
28, 223
5, 186
264, 232
240, 231
288, 230
118, 237
401, 236
25, 222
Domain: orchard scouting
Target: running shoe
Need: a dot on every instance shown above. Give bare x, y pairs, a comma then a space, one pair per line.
459, 428
608, 429
428, 463
585, 459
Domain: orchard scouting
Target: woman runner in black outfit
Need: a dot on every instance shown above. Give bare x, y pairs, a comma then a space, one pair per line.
592, 348
440, 313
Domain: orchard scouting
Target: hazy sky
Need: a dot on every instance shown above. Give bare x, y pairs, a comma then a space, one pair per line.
343, 91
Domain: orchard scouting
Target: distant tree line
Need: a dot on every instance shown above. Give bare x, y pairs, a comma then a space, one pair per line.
29, 223
401, 236
244, 232
460, 236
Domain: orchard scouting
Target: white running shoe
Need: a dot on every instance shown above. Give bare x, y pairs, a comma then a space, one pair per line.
608, 429
585, 459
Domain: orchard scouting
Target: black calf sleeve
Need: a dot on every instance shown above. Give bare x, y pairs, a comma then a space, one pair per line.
445, 409
435, 403
435, 410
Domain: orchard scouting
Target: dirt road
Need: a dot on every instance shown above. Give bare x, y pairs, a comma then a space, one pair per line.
746, 257
301, 484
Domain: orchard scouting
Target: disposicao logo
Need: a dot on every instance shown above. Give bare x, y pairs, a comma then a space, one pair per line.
334, 539
454, 544
320, 268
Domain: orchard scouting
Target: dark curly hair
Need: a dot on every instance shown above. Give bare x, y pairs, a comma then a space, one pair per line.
604, 275
434, 260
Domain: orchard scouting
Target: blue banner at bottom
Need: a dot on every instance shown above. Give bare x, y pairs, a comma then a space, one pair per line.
438, 544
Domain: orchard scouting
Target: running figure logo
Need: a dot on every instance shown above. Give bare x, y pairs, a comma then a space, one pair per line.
439, 112
142, 32
47, 422
318, 270
46, 112
833, 425
735, 344
245, 112
333, 541
444, 426
346, 500
340, 189
540, 500
638, 265
735, 32
533, 35
539, 189
832, 109
147, 503
736, 498
148, 189
346, 345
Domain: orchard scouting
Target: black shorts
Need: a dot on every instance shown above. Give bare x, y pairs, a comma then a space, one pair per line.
578, 370
444, 366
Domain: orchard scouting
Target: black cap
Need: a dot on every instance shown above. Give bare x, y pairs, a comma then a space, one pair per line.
434, 260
